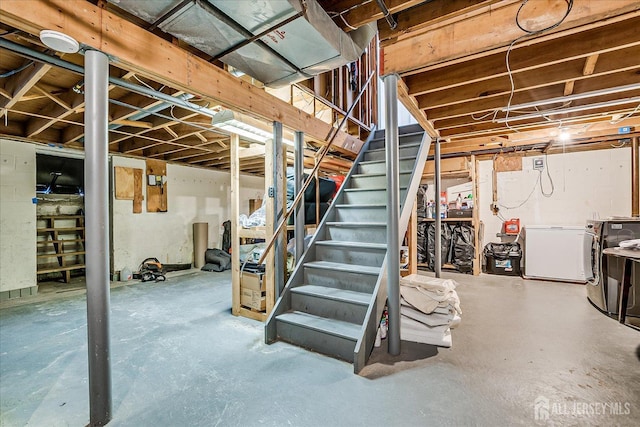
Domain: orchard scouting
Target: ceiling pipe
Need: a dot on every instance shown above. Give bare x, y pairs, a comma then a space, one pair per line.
387, 15
142, 90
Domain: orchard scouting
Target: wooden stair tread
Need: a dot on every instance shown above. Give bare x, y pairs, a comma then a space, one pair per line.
46, 242
62, 254
58, 269
59, 229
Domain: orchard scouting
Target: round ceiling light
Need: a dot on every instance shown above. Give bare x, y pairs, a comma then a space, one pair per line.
59, 42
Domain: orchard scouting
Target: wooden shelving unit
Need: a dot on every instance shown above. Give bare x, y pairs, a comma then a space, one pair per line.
60, 244
454, 168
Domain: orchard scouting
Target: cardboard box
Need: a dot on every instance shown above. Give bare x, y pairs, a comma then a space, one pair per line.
252, 281
253, 299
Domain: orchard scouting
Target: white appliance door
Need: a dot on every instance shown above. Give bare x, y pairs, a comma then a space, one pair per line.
557, 253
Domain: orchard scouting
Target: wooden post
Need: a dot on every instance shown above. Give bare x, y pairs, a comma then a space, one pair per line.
635, 177
269, 183
476, 216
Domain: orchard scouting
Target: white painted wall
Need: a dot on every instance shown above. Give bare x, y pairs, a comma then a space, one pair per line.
194, 195
17, 215
587, 185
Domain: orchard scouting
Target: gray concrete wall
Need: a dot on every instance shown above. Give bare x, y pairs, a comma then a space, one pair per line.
17, 218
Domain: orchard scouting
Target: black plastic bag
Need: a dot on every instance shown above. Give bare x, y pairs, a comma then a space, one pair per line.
463, 247
445, 245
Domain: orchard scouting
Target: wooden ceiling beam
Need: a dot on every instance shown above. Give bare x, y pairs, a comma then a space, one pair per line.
434, 14
484, 105
185, 153
51, 96
483, 34
599, 40
118, 112
164, 63
54, 112
369, 12
592, 130
462, 121
411, 104
19, 84
612, 62
488, 130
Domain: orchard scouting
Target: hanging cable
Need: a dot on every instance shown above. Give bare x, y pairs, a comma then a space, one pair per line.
550, 179
528, 33
16, 71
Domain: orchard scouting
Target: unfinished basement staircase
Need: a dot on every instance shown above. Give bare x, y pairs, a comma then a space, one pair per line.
334, 299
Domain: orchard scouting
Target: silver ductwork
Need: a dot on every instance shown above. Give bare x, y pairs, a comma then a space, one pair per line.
278, 42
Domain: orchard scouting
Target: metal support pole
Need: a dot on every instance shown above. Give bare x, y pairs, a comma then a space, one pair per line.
298, 166
278, 193
393, 212
635, 177
437, 266
96, 184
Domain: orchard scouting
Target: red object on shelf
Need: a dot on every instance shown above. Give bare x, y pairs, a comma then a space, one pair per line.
512, 226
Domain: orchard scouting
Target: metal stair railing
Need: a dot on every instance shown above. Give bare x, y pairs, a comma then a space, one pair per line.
330, 138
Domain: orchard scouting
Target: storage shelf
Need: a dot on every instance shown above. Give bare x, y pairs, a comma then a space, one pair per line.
446, 219
61, 237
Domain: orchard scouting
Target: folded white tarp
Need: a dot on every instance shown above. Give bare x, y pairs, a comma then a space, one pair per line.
411, 330
433, 319
427, 293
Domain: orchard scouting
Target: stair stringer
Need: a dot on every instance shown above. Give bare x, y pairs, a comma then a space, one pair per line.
364, 346
297, 277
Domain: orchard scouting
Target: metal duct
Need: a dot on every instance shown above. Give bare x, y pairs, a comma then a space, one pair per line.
301, 47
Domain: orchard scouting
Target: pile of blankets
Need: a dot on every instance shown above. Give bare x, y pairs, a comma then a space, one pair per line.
429, 308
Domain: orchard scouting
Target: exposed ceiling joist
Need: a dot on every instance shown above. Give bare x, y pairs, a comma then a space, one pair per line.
483, 34
165, 63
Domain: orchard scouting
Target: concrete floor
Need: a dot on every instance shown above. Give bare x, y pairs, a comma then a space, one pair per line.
181, 359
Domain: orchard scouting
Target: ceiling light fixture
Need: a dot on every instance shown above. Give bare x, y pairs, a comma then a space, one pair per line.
564, 135
59, 42
577, 108
563, 99
232, 122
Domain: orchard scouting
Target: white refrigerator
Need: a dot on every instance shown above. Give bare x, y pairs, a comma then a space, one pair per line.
557, 253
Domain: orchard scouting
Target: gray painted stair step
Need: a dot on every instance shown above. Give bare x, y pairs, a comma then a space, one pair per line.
380, 153
349, 268
380, 166
377, 180
361, 212
383, 149
334, 294
369, 195
331, 302
402, 139
355, 252
337, 328
361, 231
359, 245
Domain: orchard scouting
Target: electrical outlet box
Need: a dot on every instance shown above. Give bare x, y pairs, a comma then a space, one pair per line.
624, 129
538, 163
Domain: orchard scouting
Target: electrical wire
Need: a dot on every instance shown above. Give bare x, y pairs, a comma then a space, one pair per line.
550, 179
626, 116
528, 33
16, 71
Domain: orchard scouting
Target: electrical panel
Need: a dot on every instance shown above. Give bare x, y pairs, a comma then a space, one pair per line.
538, 163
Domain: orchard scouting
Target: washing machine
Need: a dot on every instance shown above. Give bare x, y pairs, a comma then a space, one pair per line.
602, 291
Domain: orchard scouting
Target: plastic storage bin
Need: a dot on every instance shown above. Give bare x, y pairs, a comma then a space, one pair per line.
503, 258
